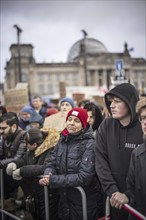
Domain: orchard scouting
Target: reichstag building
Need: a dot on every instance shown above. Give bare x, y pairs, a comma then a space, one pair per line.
89, 63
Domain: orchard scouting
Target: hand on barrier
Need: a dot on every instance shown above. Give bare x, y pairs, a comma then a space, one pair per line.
16, 175
118, 200
10, 168
45, 180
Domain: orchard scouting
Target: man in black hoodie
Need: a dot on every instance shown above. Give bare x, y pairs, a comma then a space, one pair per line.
116, 138
136, 178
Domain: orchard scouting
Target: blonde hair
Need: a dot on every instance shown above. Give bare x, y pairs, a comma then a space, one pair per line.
141, 104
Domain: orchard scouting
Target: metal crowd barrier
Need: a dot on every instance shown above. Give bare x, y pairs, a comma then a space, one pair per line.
4, 212
84, 202
134, 212
128, 208
2, 200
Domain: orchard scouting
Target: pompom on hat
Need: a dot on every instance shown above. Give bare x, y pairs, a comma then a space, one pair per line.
80, 113
69, 100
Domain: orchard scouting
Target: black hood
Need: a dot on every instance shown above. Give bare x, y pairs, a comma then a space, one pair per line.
128, 94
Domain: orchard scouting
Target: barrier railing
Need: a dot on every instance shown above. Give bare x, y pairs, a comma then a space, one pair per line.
2, 201
4, 212
83, 196
134, 212
127, 207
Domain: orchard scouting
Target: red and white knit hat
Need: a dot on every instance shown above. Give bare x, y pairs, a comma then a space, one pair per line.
80, 113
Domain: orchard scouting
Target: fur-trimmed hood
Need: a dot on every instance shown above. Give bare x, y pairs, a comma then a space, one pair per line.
49, 142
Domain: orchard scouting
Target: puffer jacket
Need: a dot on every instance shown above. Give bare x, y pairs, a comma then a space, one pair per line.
72, 165
32, 165
13, 149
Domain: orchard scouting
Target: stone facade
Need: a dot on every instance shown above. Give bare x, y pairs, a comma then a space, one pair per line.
99, 66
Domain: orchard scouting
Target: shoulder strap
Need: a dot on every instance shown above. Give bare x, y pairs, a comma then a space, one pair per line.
19, 137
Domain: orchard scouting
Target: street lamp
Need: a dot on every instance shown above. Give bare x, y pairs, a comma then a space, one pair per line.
85, 57
19, 30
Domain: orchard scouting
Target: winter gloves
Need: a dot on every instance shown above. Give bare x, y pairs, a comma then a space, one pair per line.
12, 171
16, 175
10, 168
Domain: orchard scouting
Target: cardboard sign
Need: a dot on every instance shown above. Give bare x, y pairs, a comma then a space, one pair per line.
16, 99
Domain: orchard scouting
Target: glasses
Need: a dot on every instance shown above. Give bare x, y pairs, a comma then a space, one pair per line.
3, 128
142, 118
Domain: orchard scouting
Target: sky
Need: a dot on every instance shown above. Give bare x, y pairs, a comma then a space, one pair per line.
52, 27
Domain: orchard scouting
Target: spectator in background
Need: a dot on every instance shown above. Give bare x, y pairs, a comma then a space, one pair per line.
39, 106
82, 103
35, 121
58, 120
12, 147
116, 138
26, 113
73, 164
51, 111
94, 115
3, 110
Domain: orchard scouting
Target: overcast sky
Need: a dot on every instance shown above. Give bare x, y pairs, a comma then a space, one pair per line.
52, 27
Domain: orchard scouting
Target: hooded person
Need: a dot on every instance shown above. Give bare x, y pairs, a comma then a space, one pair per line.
26, 113
58, 120
40, 144
73, 164
136, 178
116, 138
35, 121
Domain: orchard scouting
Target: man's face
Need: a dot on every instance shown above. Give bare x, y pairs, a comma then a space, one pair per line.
37, 103
5, 130
143, 120
119, 109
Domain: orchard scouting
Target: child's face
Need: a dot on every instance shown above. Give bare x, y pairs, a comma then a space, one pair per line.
31, 147
35, 125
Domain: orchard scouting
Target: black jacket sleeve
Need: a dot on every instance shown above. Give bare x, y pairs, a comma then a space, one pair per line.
101, 161
131, 178
18, 155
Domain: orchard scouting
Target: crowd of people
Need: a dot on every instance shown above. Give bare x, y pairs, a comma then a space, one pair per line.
76, 145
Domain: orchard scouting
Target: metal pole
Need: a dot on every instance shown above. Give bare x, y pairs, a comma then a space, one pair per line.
2, 193
46, 195
107, 209
84, 202
19, 30
134, 212
85, 58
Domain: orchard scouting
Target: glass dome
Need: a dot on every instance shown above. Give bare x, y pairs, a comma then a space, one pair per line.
92, 47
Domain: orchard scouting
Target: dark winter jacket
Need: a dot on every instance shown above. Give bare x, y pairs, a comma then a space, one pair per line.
42, 111
136, 180
13, 149
72, 165
115, 143
32, 165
